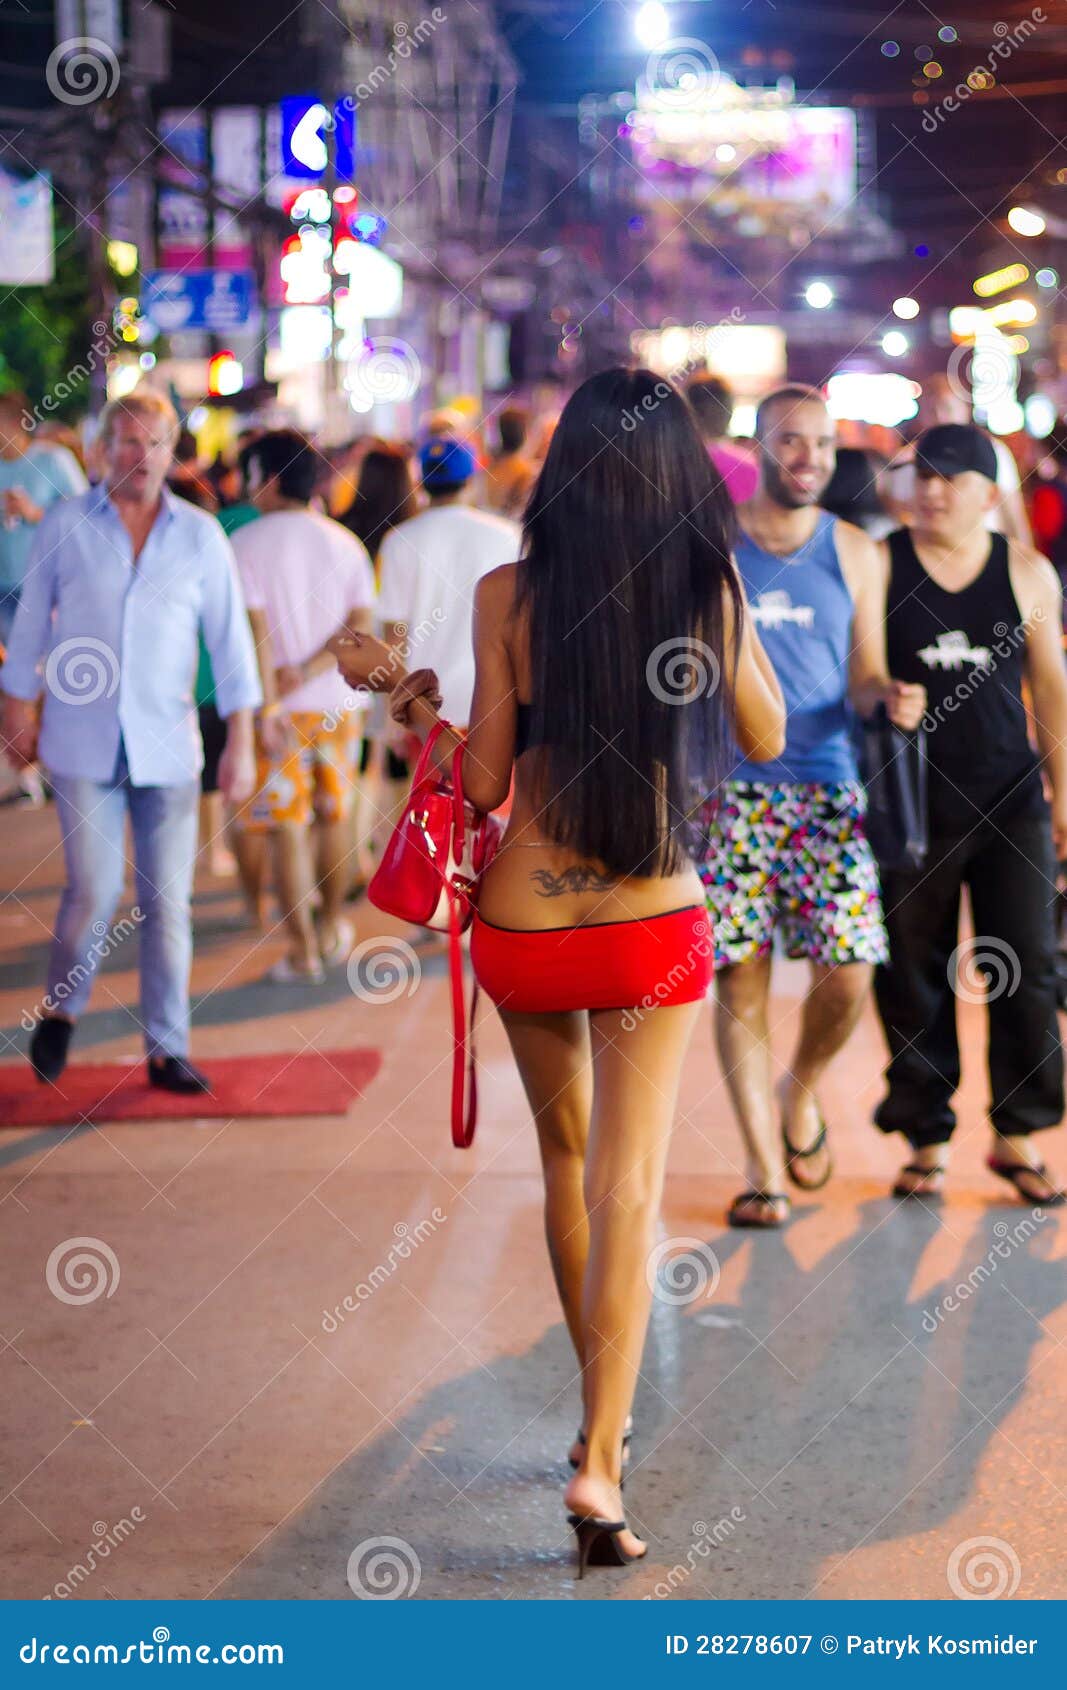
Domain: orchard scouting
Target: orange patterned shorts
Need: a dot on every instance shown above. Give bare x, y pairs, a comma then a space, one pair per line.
316, 777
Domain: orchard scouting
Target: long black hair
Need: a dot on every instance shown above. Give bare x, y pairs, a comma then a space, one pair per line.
384, 495
627, 567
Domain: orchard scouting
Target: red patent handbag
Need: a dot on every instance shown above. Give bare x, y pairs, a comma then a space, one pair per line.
429, 875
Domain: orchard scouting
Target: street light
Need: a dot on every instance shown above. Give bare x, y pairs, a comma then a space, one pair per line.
1026, 221
819, 295
906, 308
652, 26
895, 344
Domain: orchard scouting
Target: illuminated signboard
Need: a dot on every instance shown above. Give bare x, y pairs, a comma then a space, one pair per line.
753, 145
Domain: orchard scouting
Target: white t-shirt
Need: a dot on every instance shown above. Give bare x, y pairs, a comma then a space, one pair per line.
429, 567
305, 573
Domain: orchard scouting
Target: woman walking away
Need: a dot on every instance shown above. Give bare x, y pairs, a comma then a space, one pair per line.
598, 661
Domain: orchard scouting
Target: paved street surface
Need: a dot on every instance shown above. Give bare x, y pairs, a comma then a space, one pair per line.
813, 1422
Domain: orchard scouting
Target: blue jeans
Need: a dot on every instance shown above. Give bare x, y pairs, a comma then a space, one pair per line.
163, 819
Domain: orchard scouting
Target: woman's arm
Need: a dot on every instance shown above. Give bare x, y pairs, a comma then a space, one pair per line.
759, 709
490, 742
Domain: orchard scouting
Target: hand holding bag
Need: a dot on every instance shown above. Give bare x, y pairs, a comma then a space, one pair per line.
429, 875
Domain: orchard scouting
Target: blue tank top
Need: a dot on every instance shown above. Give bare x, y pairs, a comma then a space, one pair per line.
802, 609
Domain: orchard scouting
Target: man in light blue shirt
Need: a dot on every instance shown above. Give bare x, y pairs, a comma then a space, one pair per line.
120, 582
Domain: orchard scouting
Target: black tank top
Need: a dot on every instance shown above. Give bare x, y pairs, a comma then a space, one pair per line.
968, 650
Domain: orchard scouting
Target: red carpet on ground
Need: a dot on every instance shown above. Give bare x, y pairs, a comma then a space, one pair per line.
309, 1082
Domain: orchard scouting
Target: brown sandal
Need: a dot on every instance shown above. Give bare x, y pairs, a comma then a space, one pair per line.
916, 1190
769, 1216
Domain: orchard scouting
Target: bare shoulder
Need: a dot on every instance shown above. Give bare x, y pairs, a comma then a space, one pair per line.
1034, 580
862, 561
496, 593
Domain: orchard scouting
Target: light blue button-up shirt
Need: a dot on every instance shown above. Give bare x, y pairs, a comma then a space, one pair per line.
113, 645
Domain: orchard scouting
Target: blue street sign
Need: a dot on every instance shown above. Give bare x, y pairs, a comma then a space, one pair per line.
305, 142
199, 299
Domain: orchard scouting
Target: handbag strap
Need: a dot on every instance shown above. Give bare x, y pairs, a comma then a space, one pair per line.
459, 815
427, 751
464, 1077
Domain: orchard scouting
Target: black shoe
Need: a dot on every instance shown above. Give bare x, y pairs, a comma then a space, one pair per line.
176, 1073
49, 1046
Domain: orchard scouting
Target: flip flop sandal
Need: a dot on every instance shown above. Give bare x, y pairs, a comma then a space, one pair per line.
900, 1190
770, 1217
1012, 1172
793, 1155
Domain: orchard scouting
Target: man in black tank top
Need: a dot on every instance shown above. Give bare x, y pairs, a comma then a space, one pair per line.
972, 615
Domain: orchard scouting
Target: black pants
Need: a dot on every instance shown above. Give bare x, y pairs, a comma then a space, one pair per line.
1011, 874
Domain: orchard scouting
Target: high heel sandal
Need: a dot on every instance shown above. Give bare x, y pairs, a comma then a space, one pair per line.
627, 1438
598, 1542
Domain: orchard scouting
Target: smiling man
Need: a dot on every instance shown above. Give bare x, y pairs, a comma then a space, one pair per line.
786, 845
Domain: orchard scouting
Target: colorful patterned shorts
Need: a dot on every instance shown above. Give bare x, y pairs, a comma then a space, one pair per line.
317, 776
793, 858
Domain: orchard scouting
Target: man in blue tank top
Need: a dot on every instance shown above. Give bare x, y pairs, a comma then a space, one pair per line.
787, 850
975, 617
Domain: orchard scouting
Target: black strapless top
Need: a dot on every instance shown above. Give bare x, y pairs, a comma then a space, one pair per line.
524, 715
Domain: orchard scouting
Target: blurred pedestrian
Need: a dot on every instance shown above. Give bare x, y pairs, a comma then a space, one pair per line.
787, 852
120, 579
430, 566
510, 473
713, 406
384, 497
306, 579
971, 616
32, 477
187, 479
940, 403
853, 493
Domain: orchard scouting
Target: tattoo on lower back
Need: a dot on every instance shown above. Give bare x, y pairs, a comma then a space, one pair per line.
581, 877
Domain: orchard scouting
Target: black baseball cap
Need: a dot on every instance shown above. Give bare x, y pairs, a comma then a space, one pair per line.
953, 448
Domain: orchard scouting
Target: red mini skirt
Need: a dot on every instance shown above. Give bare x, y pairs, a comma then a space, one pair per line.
659, 960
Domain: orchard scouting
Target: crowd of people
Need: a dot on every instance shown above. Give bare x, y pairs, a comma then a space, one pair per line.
662, 841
